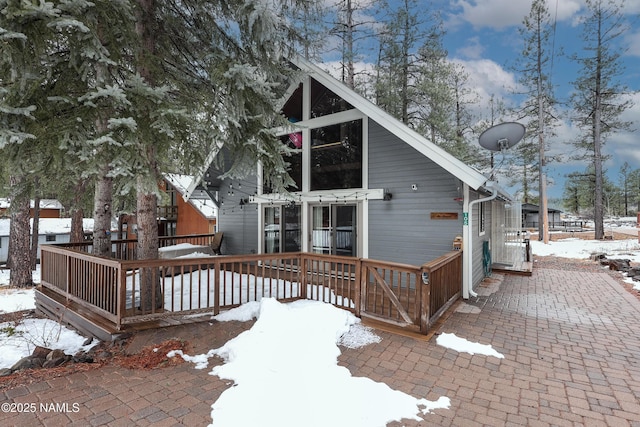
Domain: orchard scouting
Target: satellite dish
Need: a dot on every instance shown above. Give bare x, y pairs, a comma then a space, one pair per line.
502, 137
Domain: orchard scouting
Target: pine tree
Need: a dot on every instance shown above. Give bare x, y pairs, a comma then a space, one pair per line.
537, 59
435, 98
37, 55
598, 100
397, 63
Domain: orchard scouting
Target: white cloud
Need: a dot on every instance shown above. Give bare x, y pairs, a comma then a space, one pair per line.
488, 78
633, 42
497, 14
473, 49
500, 14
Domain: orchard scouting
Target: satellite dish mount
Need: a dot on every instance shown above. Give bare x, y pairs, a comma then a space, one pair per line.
500, 138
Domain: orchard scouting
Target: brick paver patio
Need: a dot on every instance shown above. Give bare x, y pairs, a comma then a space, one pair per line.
570, 339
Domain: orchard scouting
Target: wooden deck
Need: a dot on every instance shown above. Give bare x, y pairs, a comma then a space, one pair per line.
105, 297
523, 268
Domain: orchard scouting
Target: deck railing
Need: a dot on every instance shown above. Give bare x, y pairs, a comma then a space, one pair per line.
444, 275
126, 291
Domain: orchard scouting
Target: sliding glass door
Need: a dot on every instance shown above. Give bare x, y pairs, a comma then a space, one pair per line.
282, 228
334, 229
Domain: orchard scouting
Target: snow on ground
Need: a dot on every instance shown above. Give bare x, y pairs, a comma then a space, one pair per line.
19, 339
463, 346
582, 249
288, 359
4, 276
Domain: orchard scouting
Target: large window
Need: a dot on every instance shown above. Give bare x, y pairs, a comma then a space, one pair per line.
336, 156
282, 227
325, 102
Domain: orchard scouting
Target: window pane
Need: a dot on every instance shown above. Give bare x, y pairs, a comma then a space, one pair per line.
321, 235
325, 102
272, 230
292, 229
345, 229
292, 110
336, 156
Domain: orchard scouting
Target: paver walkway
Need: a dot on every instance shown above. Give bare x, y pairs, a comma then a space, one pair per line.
571, 343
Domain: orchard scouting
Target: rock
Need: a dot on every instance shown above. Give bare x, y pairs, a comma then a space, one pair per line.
26, 363
619, 264
5, 372
55, 354
82, 358
597, 256
87, 341
55, 361
633, 272
40, 352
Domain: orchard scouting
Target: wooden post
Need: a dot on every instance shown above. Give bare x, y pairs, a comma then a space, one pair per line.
122, 295
302, 275
216, 287
425, 299
358, 287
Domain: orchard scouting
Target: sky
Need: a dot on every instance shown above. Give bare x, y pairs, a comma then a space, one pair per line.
482, 35
281, 345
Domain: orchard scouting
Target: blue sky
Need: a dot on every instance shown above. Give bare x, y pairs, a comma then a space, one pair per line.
483, 36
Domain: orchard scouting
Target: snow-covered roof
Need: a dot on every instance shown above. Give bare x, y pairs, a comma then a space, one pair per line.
49, 225
44, 204
199, 199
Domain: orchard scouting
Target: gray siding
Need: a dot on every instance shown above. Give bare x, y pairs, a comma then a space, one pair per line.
240, 226
401, 229
477, 240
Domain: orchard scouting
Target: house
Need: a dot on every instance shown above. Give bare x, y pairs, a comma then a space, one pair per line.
178, 215
49, 208
50, 230
366, 186
196, 215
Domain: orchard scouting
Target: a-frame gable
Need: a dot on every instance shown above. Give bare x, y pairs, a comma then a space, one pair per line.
427, 148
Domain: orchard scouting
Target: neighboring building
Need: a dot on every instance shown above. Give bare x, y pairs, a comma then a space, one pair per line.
531, 216
197, 215
51, 230
367, 186
178, 216
49, 208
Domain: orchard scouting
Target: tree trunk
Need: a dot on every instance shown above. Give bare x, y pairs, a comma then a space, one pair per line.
147, 247
147, 203
19, 231
35, 232
77, 228
598, 209
102, 214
